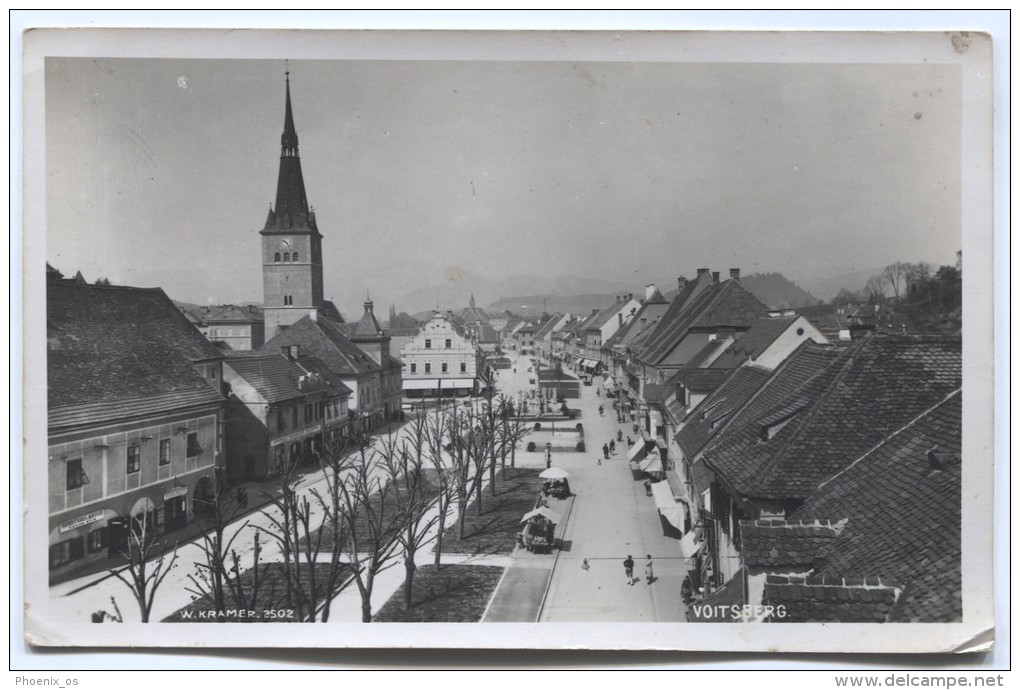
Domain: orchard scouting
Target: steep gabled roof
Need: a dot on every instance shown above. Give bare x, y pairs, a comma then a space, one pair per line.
487, 334
234, 314
110, 343
754, 341
276, 377
703, 421
872, 389
324, 338
902, 503
609, 313
725, 304
547, 327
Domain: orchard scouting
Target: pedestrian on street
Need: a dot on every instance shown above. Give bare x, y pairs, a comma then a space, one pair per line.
612, 446
648, 487
628, 569
601, 410
605, 451
629, 442
600, 462
649, 573
584, 565
597, 392
619, 436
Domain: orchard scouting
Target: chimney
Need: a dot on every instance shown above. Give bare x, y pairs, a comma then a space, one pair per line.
313, 314
681, 282
630, 296
702, 272
715, 277
619, 318
735, 274
289, 351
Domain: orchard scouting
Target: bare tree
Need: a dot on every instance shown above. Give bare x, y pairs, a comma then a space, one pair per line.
875, 287
406, 471
462, 448
219, 576
435, 433
148, 564
300, 539
895, 274
510, 430
366, 500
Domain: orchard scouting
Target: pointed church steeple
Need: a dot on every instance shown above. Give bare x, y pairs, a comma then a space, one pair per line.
288, 140
291, 213
292, 283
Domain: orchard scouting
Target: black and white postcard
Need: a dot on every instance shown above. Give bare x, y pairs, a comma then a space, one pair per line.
649, 340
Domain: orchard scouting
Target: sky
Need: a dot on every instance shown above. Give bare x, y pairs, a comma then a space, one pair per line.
160, 172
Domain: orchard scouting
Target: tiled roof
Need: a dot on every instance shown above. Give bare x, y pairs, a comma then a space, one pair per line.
703, 380
780, 543
703, 421
754, 341
487, 334
705, 354
902, 503
873, 388
276, 377
609, 313
830, 600
325, 339
234, 314
368, 326
725, 304
548, 326
113, 343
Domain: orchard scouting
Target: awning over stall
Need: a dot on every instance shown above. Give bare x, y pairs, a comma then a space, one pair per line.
637, 452
432, 384
667, 505
652, 463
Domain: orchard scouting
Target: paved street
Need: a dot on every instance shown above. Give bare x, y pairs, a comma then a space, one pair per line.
610, 518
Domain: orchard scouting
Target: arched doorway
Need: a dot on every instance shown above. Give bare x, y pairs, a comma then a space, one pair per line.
203, 503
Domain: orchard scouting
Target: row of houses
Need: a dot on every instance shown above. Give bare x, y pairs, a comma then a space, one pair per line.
806, 461
796, 470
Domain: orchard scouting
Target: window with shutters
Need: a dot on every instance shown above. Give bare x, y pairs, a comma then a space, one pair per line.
445, 367
164, 452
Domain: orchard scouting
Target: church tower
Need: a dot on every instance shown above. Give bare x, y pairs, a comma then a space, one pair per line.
291, 243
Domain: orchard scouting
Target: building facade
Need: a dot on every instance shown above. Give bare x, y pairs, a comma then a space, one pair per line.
136, 419
442, 360
283, 409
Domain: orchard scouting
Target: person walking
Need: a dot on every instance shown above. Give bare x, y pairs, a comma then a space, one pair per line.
619, 436
601, 411
605, 451
649, 572
648, 487
628, 570
612, 446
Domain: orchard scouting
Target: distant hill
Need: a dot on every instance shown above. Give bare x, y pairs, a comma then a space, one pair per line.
777, 290
827, 287
455, 295
534, 305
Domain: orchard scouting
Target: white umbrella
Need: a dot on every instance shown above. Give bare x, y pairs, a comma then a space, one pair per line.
544, 512
554, 473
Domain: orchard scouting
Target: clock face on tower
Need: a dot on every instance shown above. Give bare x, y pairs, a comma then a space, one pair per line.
285, 243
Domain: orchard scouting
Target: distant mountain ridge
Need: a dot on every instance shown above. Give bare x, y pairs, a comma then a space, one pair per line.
455, 294
778, 291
